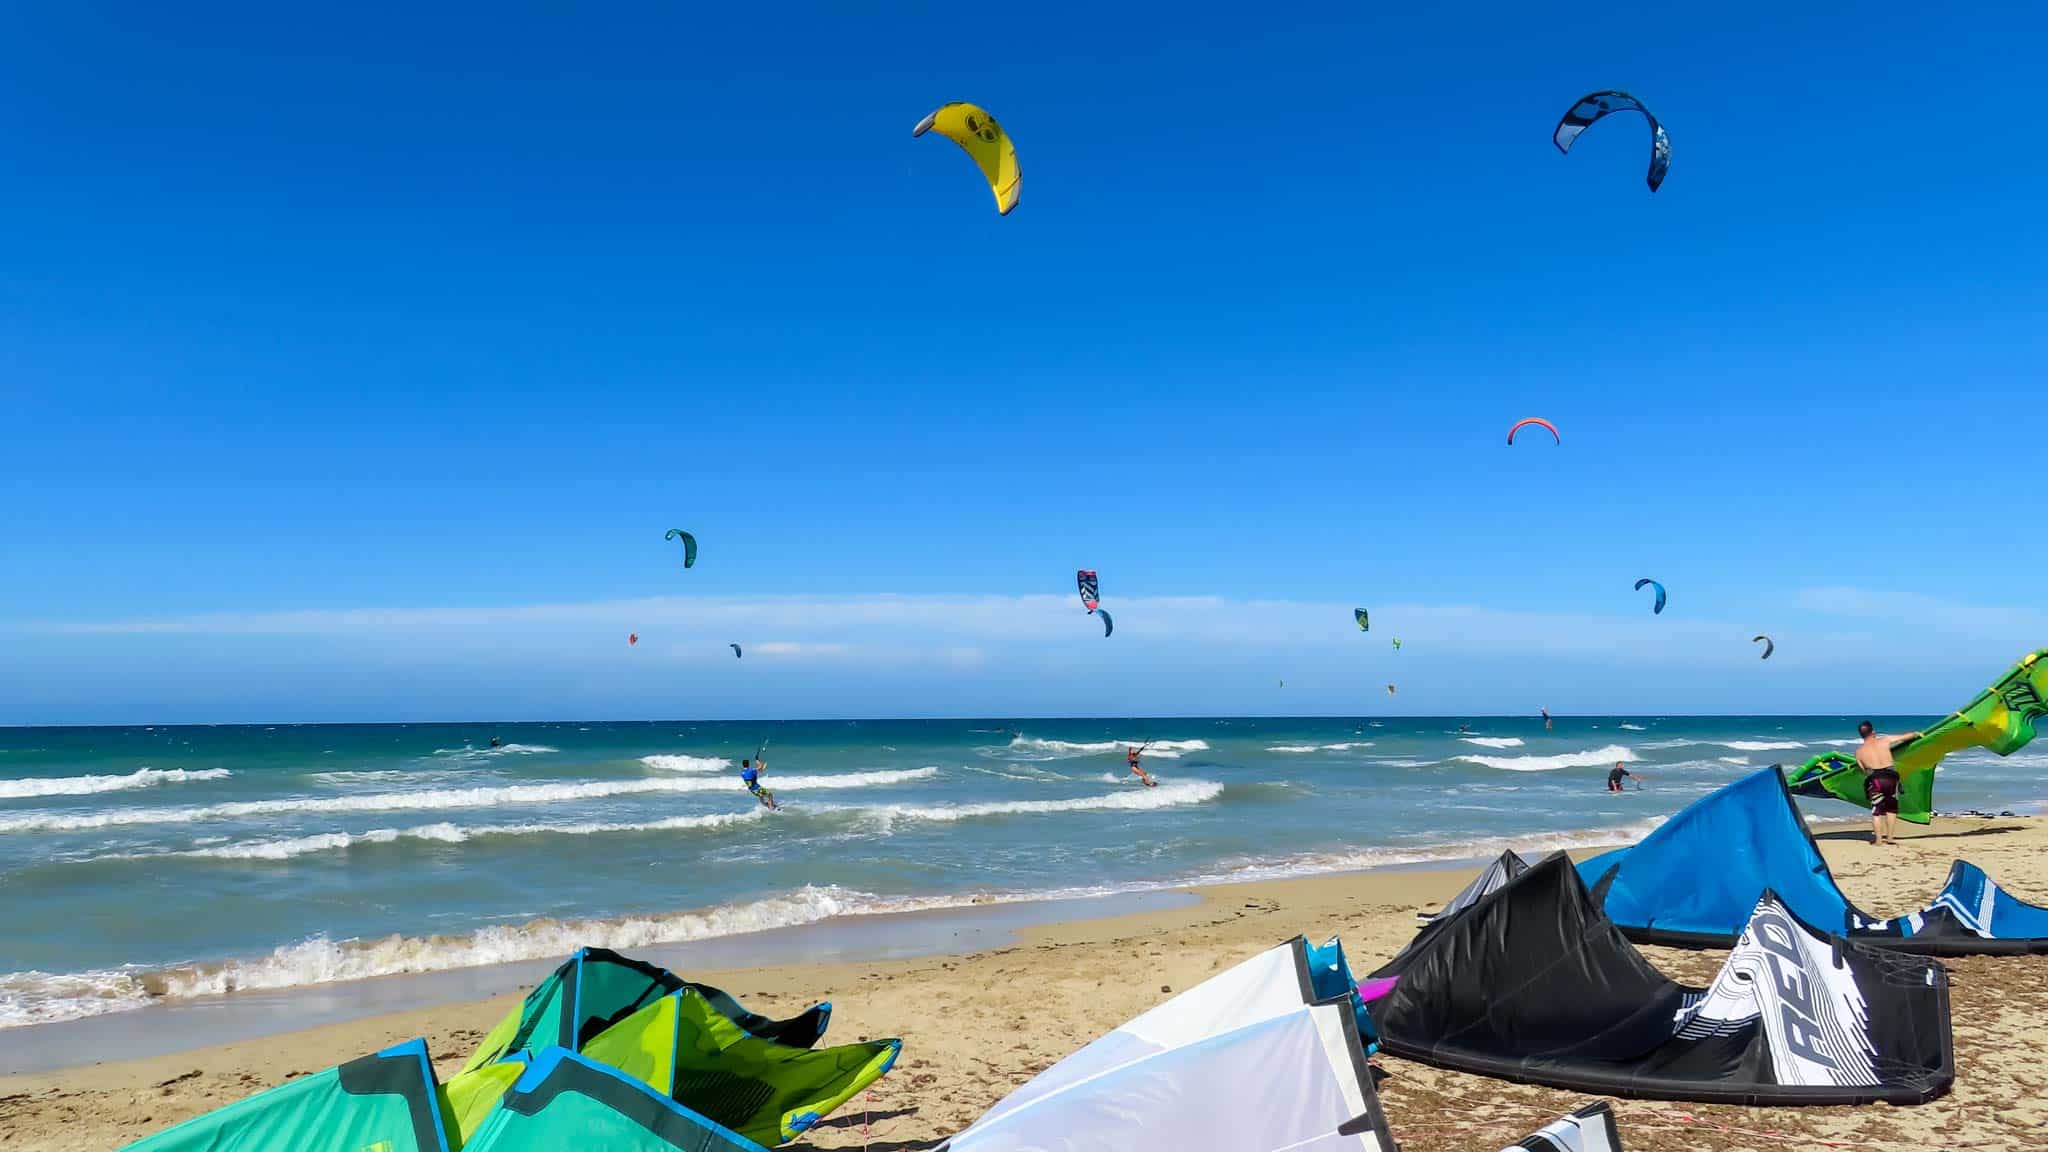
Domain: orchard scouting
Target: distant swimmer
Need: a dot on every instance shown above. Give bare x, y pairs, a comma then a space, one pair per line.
1616, 774
1881, 781
495, 743
750, 775
1131, 755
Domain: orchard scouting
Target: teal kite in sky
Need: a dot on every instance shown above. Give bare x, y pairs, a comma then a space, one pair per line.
689, 545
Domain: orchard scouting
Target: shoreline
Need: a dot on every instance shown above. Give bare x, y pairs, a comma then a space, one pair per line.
399, 971
977, 1023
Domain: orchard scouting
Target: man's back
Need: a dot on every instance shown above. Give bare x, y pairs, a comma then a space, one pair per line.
1875, 753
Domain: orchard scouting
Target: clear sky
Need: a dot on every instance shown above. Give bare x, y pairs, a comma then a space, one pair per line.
354, 359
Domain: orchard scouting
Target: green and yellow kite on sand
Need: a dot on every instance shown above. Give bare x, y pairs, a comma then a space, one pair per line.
608, 1052
2000, 718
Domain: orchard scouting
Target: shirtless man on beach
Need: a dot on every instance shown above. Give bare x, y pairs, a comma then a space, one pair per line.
1881, 780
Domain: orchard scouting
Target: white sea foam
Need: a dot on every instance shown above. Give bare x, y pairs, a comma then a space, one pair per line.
37, 997
1176, 794
1737, 745
454, 834
1033, 748
444, 798
1494, 741
1742, 761
679, 763
1592, 759
1634, 728
90, 785
1343, 747
356, 777
487, 752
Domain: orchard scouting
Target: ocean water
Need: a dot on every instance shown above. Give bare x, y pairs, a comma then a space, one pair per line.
140, 864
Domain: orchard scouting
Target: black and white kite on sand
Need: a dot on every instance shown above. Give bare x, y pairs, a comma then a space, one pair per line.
1532, 984
1590, 1129
1493, 878
1266, 1056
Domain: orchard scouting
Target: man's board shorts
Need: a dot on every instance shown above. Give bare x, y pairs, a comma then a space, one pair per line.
1882, 788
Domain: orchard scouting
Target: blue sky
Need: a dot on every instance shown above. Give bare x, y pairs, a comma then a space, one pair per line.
353, 361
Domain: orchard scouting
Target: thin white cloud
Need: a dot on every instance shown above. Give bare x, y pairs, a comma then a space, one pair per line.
879, 655
1843, 623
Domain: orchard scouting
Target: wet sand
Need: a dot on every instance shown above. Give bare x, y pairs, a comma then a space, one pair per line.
977, 1025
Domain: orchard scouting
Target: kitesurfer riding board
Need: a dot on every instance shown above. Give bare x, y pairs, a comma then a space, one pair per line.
1131, 757
750, 775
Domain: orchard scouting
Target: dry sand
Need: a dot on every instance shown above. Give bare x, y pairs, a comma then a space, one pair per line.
975, 1027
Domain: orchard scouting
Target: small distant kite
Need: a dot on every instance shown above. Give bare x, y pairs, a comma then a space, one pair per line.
1769, 644
1108, 625
689, 545
1397, 643
1390, 689
1091, 589
632, 638
1540, 423
735, 650
1657, 608
978, 135
1591, 108
1364, 621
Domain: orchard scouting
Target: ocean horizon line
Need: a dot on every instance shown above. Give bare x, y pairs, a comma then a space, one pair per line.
1011, 720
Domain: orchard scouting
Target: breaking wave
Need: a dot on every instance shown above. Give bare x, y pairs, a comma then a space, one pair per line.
1344, 747
89, 785
489, 753
1033, 748
452, 834
1737, 745
1633, 728
1494, 741
667, 763
444, 798
1173, 795
1596, 758
38, 997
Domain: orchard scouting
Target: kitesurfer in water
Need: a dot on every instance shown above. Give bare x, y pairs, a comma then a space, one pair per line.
1546, 718
1881, 781
1131, 755
750, 775
1615, 775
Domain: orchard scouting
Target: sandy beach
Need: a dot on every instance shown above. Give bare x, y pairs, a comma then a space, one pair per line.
976, 1026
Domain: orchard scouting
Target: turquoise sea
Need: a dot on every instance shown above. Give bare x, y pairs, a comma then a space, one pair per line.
139, 865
